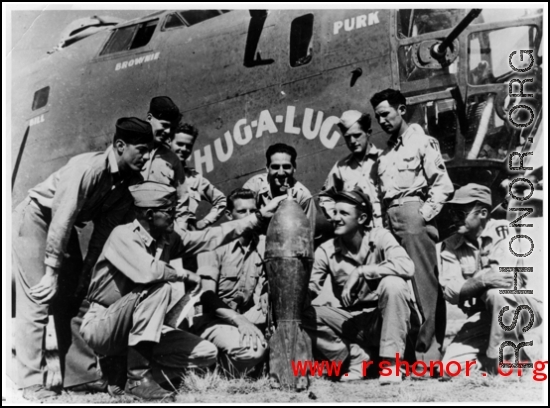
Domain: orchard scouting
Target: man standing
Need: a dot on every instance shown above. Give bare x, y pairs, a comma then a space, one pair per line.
414, 186
279, 179
356, 170
471, 279
131, 289
368, 270
164, 166
196, 187
233, 277
46, 252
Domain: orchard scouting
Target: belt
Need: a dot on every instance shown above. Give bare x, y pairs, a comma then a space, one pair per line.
400, 201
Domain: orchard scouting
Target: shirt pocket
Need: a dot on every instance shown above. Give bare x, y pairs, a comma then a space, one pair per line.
194, 200
229, 279
407, 173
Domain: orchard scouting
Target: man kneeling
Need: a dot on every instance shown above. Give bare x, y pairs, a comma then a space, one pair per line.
233, 277
368, 270
131, 289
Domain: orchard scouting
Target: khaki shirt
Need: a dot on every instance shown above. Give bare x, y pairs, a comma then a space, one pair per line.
165, 167
131, 256
349, 173
412, 166
237, 270
196, 189
88, 188
300, 194
380, 255
461, 259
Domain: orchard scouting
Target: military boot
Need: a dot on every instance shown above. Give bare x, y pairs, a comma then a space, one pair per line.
140, 382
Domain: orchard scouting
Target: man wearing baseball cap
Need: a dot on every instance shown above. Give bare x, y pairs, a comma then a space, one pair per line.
369, 272
358, 169
46, 252
131, 289
471, 279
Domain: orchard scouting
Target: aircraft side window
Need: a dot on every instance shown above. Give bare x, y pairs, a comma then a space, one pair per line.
193, 17
131, 37
301, 44
173, 21
40, 98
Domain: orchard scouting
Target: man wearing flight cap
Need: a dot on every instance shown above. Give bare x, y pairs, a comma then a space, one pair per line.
471, 279
46, 253
369, 272
357, 169
131, 291
164, 165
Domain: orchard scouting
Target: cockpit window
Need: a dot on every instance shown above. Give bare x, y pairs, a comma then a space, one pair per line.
131, 37
173, 21
192, 17
412, 23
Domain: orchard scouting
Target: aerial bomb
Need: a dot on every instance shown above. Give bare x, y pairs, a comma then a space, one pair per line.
289, 259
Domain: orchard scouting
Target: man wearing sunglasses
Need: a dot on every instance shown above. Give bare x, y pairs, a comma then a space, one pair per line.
131, 289
471, 279
279, 179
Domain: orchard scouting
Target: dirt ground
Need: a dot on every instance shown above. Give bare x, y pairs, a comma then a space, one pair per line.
213, 389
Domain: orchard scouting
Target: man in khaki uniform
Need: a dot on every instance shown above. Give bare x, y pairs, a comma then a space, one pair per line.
235, 275
196, 188
414, 185
369, 272
356, 170
471, 279
279, 178
164, 166
130, 292
46, 251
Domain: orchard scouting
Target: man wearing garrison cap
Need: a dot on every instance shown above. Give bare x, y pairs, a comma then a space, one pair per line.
164, 166
369, 272
471, 279
357, 169
46, 252
130, 292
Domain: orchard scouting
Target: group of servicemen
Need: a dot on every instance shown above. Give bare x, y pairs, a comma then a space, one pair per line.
148, 252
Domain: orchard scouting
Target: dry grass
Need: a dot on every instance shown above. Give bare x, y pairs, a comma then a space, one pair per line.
216, 388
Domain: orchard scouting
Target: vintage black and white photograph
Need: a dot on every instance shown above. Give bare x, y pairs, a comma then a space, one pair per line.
266, 203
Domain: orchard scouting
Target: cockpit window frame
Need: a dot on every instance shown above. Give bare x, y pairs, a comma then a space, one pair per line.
176, 15
136, 25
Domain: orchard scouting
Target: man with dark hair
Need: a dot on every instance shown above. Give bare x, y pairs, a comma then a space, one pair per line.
357, 169
164, 166
471, 279
233, 277
132, 289
196, 188
279, 179
46, 251
369, 272
414, 185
